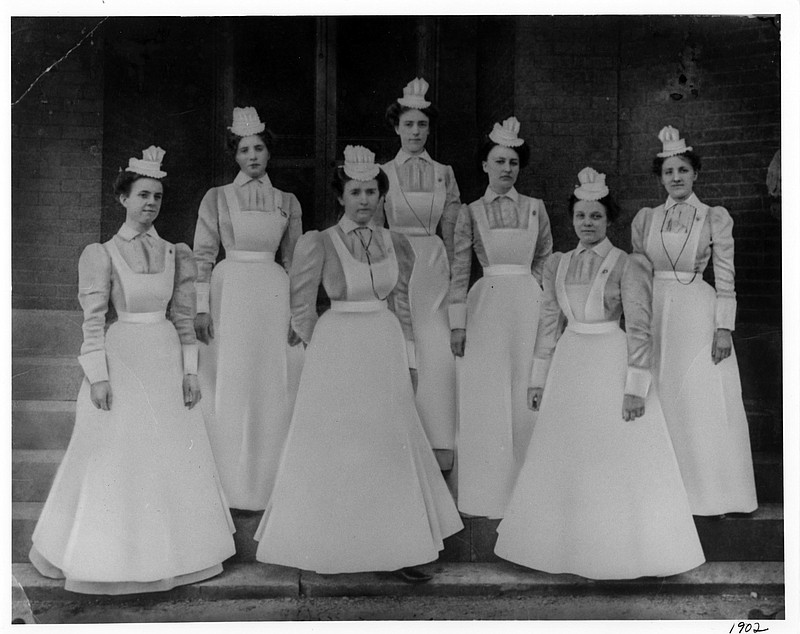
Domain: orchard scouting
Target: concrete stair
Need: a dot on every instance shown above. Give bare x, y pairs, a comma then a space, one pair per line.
462, 591
744, 553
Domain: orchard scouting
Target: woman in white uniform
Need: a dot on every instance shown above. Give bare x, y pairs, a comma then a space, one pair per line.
695, 364
136, 505
423, 196
600, 494
494, 327
358, 487
248, 372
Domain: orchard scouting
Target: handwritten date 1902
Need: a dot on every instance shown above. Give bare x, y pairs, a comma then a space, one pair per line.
747, 628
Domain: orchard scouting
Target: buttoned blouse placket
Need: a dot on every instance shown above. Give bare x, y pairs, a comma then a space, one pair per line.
595, 311
416, 204
505, 240
250, 226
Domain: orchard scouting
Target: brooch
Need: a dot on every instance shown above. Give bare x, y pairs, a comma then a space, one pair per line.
605, 271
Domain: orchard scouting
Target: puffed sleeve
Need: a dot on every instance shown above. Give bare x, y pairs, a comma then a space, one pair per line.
638, 229
94, 289
460, 268
183, 306
452, 206
722, 260
551, 320
206, 246
636, 288
293, 231
544, 243
398, 299
304, 279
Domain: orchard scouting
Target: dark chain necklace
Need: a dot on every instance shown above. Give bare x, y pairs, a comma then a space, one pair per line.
672, 263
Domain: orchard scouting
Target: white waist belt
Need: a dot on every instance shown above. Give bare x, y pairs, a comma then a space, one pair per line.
368, 306
414, 232
141, 318
506, 269
598, 328
250, 256
677, 276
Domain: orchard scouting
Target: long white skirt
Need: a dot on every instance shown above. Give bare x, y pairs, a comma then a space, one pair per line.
358, 486
598, 496
495, 424
702, 401
249, 376
436, 391
136, 505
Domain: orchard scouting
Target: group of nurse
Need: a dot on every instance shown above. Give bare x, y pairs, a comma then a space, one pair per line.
594, 445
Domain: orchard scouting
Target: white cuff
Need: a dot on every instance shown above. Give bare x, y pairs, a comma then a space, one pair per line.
539, 371
726, 313
637, 382
189, 358
411, 352
202, 289
458, 315
94, 365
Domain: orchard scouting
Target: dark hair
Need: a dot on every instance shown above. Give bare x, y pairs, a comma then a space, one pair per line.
691, 156
612, 208
394, 111
232, 140
523, 152
340, 179
125, 180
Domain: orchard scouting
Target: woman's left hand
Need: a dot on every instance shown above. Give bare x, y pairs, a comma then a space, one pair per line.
632, 407
191, 390
294, 339
414, 378
722, 345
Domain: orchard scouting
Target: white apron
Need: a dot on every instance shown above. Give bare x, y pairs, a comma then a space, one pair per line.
358, 486
598, 496
495, 423
416, 215
702, 401
248, 372
136, 505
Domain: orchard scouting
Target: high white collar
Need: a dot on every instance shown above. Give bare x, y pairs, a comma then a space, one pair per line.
693, 200
243, 179
602, 248
491, 195
128, 233
347, 225
403, 156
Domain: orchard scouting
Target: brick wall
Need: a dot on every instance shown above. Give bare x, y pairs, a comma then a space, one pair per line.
56, 151
717, 81
566, 100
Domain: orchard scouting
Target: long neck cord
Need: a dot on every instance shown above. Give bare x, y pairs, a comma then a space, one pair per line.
672, 263
369, 261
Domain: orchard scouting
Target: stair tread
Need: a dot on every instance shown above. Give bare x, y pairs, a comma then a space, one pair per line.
496, 578
33, 405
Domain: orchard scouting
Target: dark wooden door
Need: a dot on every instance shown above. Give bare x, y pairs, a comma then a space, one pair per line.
320, 83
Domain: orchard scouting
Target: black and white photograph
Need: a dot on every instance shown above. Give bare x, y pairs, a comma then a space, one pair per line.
444, 319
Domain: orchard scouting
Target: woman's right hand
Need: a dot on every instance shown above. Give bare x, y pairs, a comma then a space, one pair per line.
458, 339
204, 327
100, 393
535, 398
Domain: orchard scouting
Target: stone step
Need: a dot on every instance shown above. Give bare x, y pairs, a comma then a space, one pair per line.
41, 424
254, 591
46, 332
755, 537
45, 378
